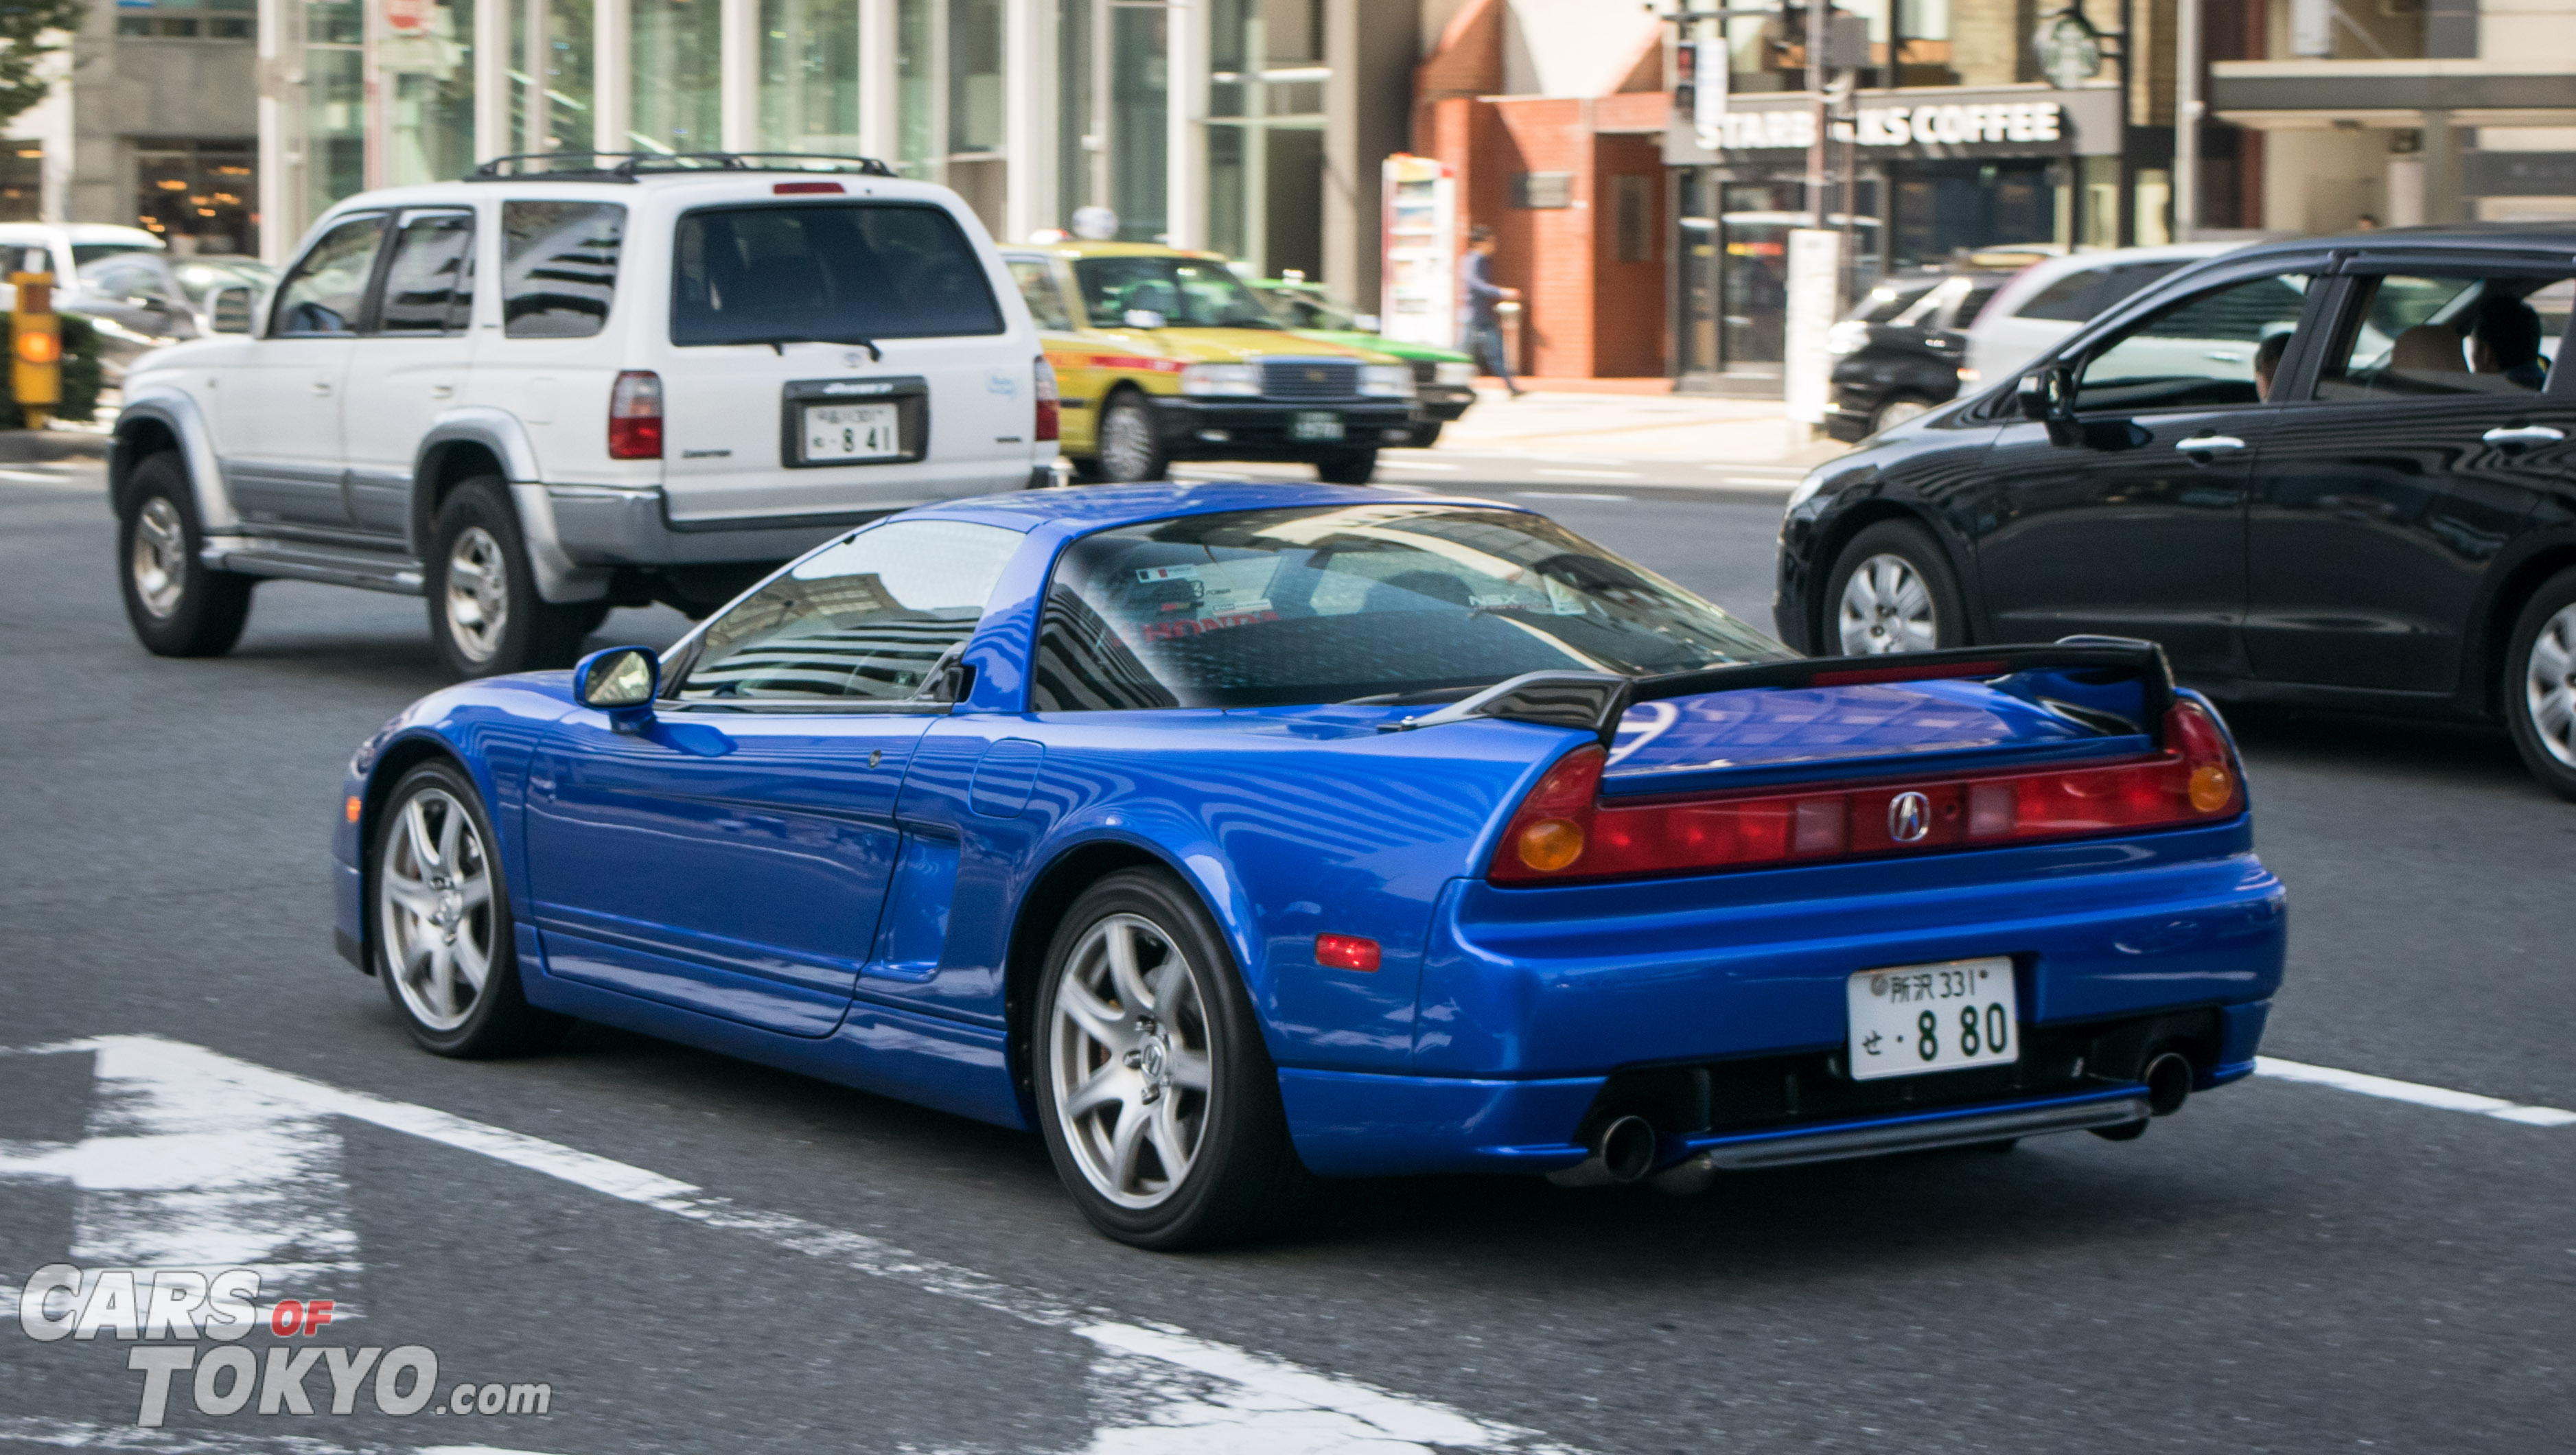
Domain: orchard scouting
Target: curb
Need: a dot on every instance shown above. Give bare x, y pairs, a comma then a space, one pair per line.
31, 446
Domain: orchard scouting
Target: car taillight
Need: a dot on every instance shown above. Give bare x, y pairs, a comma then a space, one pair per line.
635, 416
1564, 832
1050, 408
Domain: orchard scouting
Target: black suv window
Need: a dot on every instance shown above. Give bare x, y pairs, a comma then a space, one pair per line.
2427, 334
2216, 347
835, 272
559, 267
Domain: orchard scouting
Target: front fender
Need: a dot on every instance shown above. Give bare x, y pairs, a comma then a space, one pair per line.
175, 410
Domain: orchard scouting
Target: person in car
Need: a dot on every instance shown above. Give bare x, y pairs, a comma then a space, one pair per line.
2504, 338
2267, 362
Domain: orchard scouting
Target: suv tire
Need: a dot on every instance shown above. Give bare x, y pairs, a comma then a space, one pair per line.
1130, 447
180, 606
1351, 467
1901, 595
2540, 684
484, 611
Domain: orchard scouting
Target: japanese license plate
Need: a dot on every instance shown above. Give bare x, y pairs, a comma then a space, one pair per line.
1909, 1019
1315, 425
852, 432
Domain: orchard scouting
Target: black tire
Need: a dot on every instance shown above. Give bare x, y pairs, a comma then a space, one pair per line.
1130, 442
495, 1019
1085, 471
1426, 435
178, 606
1351, 467
1908, 566
2539, 687
1242, 1178
531, 634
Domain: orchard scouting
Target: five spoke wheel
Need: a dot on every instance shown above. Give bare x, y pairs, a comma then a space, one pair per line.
160, 558
478, 594
1130, 1060
434, 909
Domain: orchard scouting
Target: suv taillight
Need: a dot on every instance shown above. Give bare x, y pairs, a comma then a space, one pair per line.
1564, 831
635, 416
1050, 409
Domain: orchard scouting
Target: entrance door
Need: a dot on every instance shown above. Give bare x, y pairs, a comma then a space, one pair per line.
2132, 523
279, 418
2436, 425
1753, 293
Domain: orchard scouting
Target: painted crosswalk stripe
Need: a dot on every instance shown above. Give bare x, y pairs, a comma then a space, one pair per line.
2415, 1092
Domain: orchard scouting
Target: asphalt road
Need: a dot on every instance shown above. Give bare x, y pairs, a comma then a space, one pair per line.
2281, 1267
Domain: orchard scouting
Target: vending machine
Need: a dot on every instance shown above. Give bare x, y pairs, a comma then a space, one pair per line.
1420, 252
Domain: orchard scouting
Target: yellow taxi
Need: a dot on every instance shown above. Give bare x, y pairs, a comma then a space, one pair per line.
1164, 355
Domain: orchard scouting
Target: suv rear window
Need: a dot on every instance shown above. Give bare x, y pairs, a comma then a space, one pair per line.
559, 267
835, 272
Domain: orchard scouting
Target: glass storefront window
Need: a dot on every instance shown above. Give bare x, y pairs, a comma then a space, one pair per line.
556, 69
1265, 132
809, 76
197, 195
974, 76
913, 89
1077, 127
1139, 80
335, 101
430, 76
673, 71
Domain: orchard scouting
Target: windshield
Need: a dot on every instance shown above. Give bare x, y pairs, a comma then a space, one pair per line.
87, 253
837, 273
199, 277
1309, 310
1188, 292
1308, 605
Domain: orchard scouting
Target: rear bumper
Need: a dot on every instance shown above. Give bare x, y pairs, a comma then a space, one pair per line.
600, 526
1259, 429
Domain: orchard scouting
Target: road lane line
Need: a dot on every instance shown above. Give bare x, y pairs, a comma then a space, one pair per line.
2390, 1089
1593, 474
1227, 1397
1565, 495
1387, 464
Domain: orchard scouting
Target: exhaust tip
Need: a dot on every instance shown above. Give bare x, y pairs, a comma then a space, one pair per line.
1627, 1149
2168, 1080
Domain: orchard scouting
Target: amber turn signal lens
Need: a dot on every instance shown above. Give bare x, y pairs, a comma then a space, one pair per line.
1550, 844
2211, 787
353, 809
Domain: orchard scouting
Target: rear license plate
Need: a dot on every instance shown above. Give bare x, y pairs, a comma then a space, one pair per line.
1315, 426
1909, 1019
852, 432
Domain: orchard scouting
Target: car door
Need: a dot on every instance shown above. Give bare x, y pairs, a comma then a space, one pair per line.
410, 360
278, 415
734, 856
2129, 520
2435, 424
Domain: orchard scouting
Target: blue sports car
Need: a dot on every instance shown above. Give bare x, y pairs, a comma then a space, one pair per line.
1236, 836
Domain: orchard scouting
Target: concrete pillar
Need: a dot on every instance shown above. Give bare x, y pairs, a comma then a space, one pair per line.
877, 79
1029, 44
491, 79
1370, 47
738, 76
1185, 117
2441, 169
612, 76
281, 130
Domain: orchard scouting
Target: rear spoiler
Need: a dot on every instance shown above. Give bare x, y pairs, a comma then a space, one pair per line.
1596, 701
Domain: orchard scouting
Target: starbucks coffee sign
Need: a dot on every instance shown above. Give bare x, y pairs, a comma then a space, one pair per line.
1919, 121
2033, 122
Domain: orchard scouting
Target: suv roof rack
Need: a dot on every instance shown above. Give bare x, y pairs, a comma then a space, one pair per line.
580, 166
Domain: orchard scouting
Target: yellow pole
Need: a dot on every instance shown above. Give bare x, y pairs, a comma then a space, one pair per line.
35, 348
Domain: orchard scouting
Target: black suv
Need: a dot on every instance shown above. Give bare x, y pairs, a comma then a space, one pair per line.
1899, 353
2333, 472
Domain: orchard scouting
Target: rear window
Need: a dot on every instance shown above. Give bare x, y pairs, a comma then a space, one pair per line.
2078, 296
835, 273
559, 267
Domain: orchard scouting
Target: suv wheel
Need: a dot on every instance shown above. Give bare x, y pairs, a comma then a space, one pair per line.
484, 611
2540, 684
1891, 591
180, 607
1353, 467
1131, 446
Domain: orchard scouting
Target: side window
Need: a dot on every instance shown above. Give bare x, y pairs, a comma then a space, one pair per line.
324, 290
866, 619
2213, 349
127, 280
1037, 285
2078, 296
2412, 335
559, 267
429, 285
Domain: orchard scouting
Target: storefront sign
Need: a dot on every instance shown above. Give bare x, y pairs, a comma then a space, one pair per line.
2037, 122
407, 17
2069, 49
1917, 122
2518, 174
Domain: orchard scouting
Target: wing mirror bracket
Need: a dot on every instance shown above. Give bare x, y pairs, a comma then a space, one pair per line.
2048, 396
621, 682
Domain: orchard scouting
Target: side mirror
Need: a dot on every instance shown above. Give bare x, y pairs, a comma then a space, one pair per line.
229, 310
621, 681
1144, 318
1367, 323
2048, 396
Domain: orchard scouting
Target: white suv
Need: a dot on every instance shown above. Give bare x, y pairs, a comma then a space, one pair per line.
563, 386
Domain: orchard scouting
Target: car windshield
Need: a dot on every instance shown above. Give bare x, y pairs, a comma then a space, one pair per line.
84, 254
1331, 604
1187, 292
199, 277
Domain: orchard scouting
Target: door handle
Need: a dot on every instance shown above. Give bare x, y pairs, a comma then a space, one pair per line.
2523, 434
322, 388
442, 391
2202, 443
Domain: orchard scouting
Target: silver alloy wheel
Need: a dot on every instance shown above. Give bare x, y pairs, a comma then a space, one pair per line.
1128, 1060
1127, 443
1896, 411
160, 562
478, 593
434, 909
2549, 685
1887, 607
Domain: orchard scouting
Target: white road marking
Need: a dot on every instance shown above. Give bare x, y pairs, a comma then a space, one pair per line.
1565, 495
2438, 1097
1191, 1395
72, 1435
1593, 474
1387, 464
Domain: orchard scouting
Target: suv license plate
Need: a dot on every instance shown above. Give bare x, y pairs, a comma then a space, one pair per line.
1909, 1019
1315, 426
852, 432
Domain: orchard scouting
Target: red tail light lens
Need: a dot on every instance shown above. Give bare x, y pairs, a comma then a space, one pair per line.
1563, 832
635, 416
1050, 406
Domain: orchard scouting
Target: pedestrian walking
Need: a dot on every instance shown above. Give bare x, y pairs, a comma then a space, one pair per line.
1484, 319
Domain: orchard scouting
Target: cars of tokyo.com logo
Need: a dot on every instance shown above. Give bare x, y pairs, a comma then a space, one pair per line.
165, 1312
